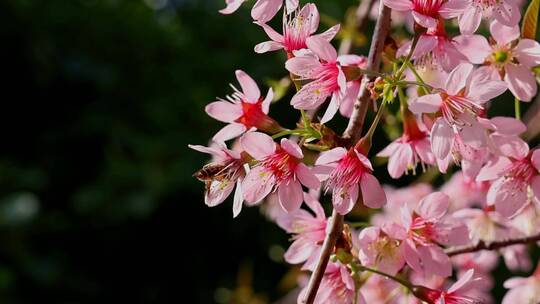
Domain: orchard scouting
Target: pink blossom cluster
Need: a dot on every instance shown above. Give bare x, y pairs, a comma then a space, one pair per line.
483, 177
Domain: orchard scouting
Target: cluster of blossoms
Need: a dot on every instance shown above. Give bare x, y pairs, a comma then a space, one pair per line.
414, 241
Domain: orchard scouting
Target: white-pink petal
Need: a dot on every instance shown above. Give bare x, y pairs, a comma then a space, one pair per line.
224, 111
372, 193
249, 86
258, 145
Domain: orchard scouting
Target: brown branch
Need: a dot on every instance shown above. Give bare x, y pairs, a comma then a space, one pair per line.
481, 245
532, 120
352, 132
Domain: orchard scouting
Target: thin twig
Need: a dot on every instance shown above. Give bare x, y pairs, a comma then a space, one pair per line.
481, 245
352, 132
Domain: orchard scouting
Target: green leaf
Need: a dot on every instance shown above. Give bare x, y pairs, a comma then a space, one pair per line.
530, 20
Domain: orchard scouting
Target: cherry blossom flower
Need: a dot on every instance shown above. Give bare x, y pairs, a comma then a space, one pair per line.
352, 91
456, 294
523, 290
243, 111
507, 12
279, 168
348, 173
434, 48
514, 174
427, 12
221, 175
425, 230
322, 67
337, 286
465, 192
459, 103
309, 231
407, 151
508, 58
296, 29
382, 248
263, 10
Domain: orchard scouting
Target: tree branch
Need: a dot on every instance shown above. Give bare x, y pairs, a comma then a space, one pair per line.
352, 132
481, 245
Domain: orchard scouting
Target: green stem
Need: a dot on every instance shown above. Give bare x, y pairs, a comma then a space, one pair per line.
386, 275
288, 132
517, 108
408, 58
418, 77
376, 120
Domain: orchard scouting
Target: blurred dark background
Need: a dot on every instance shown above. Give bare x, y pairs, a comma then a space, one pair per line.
100, 99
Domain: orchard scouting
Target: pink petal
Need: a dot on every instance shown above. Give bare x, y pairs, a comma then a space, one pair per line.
399, 160
399, 5
364, 160
507, 13
312, 201
217, 193
448, 55
330, 33
494, 169
210, 150
331, 110
372, 192
230, 131
433, 206
249, 87
258, 145
426, 44
310, 97
509, 196
224, 111
423, 20
291, 5
508, 125
331, 156
344, 202
267, 46
303, 66
435, 261
475, 47
452, 9
275, 36
238, 198
310, 13
351, 94
412, 256
390, 149
470, 20
515, 282
528, 52
535, 186
521, 81
442, 138
257, 185
322, 48
503, 34
232, 6
267, 101
458, 78
299, 251
426, 104
265, 10
306, 177
292, 148
290, 195
511, 146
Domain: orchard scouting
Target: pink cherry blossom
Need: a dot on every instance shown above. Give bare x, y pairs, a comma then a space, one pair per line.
222, 175
243, 111
465, 192
425, 229
407, 151
508, 58
456, 294
427, 12
523, 290
459, 102
352, 91
296, 29
309, 231
514, 174
321, 66
507, 12
382, 248
434, 48
263, 10
279, 168
347, 174
337, 286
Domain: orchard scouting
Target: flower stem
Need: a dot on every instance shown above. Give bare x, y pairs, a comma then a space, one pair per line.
386, 275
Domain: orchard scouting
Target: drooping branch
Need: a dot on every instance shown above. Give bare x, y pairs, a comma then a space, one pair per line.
481, 245
352, 132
